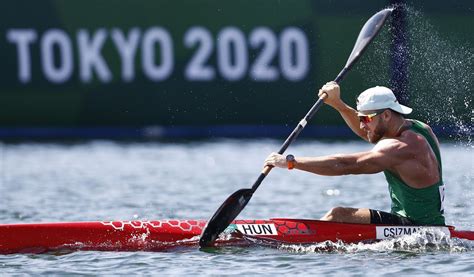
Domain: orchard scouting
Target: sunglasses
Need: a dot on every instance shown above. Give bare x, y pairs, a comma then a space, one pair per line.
370, 117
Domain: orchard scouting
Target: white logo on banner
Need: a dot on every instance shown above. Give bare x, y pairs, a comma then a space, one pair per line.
230, 54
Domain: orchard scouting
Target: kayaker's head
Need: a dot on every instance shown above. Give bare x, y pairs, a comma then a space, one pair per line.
378, 110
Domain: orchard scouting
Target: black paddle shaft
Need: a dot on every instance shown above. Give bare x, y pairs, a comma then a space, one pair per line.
292, 137
368, 32
236, 202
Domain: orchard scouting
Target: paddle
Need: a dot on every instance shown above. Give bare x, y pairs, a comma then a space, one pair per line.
235, 203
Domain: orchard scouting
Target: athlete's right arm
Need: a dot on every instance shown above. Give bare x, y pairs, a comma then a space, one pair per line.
348, 113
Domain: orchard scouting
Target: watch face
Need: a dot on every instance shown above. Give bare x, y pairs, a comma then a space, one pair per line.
290, 158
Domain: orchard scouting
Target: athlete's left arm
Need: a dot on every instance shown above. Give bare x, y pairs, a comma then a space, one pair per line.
384, 156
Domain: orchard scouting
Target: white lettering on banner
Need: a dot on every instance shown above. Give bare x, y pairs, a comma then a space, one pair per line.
90, 57
294, 60
127, 48
262, 69
386, 232
232, 54
150, 38
263, 56
257, 229
63, 71
23, 38
197, 69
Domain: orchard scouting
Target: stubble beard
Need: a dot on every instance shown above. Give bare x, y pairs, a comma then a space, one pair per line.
377, 134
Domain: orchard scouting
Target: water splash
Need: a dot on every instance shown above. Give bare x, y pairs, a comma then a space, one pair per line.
425, 241
441, 75
440, 70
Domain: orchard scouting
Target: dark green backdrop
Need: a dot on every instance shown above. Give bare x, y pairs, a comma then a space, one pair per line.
329, 28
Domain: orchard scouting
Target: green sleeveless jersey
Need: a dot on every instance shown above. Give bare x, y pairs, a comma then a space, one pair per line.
421, 206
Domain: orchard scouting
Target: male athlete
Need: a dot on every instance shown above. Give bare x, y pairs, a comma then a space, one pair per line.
405, 150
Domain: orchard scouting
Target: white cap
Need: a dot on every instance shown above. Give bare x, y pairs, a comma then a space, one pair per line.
379, 98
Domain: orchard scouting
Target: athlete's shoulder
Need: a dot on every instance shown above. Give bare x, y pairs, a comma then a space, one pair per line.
421, 125
417, 124
390, 144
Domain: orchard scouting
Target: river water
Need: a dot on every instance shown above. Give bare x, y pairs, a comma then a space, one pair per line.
106, 180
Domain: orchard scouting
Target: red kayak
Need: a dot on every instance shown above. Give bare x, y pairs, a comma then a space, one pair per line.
159, 235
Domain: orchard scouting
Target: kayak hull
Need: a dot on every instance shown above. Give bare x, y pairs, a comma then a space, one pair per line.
161, 235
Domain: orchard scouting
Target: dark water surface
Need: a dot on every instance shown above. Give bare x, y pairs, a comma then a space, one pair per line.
104, 180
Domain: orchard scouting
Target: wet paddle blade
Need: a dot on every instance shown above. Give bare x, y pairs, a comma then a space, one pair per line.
368, 32
227, 212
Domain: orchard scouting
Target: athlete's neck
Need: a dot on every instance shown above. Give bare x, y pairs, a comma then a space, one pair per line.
400, 128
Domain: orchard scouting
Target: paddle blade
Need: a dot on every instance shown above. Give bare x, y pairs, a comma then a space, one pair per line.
370, 29
226, 213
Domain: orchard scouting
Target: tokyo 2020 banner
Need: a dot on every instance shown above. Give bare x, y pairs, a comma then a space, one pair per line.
161, 65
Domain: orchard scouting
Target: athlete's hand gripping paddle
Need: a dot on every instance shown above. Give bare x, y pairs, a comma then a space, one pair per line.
235, 203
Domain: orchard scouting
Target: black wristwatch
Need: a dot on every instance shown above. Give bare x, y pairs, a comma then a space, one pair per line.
290, 161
